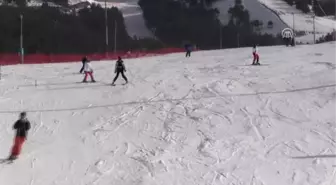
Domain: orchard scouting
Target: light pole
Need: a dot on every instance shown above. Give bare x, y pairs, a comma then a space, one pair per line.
293, 22
238, 39
106, 32
115, 36
236, 22
21, 39
293, 17
220, 36
314, 28
313, 21
293, 25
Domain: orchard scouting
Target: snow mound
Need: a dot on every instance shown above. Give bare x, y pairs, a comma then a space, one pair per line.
209, 119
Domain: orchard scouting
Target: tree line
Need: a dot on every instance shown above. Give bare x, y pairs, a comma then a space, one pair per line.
174, 23
51, 30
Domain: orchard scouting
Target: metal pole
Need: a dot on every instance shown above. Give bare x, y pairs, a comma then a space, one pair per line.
115, 36
313, 21
237, 29
220, 37
21, 39
293, 29
314, 28
293, 23
106, 31
238, 39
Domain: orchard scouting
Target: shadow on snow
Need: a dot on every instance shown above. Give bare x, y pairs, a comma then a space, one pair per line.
314, 156
171, 100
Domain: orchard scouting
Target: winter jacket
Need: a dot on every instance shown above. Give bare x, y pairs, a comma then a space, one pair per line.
254, 50
88, 67
84, 60
119, 67
21, 126
188, 47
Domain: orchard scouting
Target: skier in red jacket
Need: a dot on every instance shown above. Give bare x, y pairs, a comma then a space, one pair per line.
21, 126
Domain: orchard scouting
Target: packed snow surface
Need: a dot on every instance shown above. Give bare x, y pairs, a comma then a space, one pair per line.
209, 119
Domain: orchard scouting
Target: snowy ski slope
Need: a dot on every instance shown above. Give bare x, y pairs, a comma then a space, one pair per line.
209, 119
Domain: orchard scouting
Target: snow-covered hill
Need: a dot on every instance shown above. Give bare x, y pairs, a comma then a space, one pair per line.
277, 11
281, 14
209, 119
303, 22
134, 21
257, 12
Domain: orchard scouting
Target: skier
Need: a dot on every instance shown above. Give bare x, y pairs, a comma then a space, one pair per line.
188, 48
88, 71
21, 126
84, 59
119, 68
255, 55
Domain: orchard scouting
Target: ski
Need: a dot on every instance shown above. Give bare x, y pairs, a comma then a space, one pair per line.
119, 84
6, 161
86, 82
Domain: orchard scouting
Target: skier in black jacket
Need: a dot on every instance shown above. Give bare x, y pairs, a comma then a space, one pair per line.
21, 126
119, 68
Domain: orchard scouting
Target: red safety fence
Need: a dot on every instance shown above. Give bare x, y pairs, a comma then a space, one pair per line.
13, 59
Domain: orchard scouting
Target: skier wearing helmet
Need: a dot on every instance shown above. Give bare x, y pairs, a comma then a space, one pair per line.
21, 126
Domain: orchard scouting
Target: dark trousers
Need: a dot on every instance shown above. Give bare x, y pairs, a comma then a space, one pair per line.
82, 69
122, 74
188, 53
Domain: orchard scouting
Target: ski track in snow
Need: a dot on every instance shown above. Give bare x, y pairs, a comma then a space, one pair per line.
208, 119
